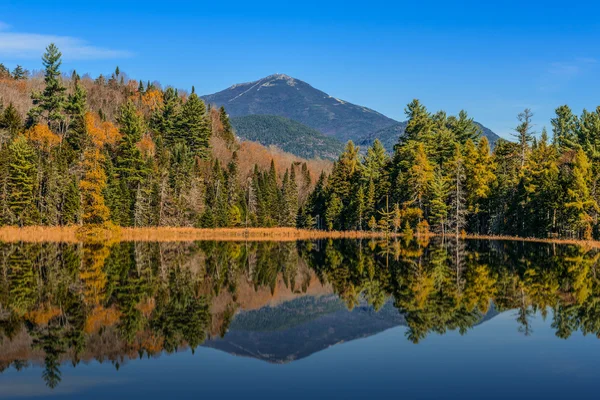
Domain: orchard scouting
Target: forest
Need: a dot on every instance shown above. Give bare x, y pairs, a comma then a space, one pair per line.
111, 150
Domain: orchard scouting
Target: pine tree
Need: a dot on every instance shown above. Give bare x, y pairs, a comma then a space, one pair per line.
464, 128
524, 134
564, 126
51, 102
21, 180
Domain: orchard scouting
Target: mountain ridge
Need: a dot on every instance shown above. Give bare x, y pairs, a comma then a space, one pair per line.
289, 135
284, 96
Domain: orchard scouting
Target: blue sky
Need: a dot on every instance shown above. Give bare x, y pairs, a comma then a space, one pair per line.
491, 58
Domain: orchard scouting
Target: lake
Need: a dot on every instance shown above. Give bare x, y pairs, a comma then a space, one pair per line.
414, 319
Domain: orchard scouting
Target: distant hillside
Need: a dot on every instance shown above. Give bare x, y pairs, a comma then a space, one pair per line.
285, 96
389, 136
290, 136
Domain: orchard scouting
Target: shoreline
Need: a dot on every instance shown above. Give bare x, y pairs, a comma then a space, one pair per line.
68, 234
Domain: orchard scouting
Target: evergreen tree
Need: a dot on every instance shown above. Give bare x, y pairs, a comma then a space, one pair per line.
19, 73
130, 164
76, 108
457, 195
524, 134
21, 181
194, 126
438, 205
166, 119
227, 133
564, 126
581, 208
51, 102
11, 121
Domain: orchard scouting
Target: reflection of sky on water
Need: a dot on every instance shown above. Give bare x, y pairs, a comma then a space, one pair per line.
493, 360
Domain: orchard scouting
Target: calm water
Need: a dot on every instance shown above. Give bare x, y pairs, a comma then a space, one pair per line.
323, 319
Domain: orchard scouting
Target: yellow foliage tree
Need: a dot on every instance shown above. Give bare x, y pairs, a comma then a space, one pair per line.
42, 137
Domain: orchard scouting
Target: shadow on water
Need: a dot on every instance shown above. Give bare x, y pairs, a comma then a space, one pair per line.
278, 302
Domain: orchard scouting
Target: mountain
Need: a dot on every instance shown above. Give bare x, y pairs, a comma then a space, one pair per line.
389, 136
288, 135
292, 98
279, 334
284, 96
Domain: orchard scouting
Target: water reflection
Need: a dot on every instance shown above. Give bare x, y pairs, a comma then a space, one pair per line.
279, 302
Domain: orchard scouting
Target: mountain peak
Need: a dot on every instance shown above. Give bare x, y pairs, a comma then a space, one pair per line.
285, 96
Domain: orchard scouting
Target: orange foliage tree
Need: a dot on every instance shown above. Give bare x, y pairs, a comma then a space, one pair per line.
42, 137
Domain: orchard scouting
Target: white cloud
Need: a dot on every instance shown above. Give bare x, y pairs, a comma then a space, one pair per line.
15, 45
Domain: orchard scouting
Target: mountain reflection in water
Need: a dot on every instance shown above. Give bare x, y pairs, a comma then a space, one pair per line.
274, 301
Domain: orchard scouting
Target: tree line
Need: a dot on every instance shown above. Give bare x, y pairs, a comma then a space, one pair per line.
165, 158
444, 177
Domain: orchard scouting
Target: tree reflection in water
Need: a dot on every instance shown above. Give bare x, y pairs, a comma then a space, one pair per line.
62, 302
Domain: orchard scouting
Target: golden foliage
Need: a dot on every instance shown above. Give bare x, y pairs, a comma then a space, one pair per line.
43, 315
42, 137
152, 99
146, 307
146, 146
92, 185
101, 132
101, 317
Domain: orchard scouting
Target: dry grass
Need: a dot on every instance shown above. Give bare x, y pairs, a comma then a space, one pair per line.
39, 234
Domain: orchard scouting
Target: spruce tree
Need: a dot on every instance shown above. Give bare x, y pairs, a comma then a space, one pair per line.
165, 120
130, 164
195, 127
76, 107
11, 121
19, 73
21, 180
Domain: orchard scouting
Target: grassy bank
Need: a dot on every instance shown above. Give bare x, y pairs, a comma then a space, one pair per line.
170, 234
